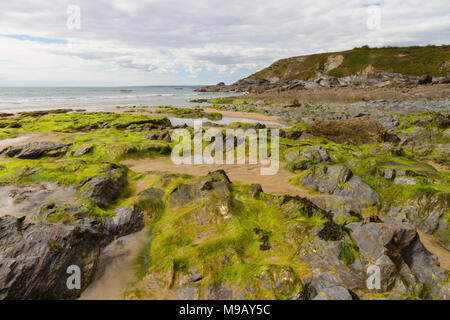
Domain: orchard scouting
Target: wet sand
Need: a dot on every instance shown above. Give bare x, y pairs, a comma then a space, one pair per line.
116, 269
248, 173
435, 248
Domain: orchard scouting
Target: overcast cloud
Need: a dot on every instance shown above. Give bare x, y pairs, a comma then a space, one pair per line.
149, 42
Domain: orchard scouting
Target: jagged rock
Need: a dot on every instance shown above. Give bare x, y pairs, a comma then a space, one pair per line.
427, 210
291, 134
84, 149
126, 220
255, 190
216, 182
405, 181
388, 272
35, 256
398, 240
220, 292
339, 180
163, 136
298, 159
104, 189
341, 208
425, 79
334, 293
357, 131
35, 150
375, 239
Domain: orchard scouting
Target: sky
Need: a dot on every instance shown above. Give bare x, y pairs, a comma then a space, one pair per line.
193, 42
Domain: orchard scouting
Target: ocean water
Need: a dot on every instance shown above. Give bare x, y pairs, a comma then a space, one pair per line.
15, 99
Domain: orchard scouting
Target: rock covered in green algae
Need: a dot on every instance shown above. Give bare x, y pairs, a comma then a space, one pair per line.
104, 189
35, 150
309, 256
339, 180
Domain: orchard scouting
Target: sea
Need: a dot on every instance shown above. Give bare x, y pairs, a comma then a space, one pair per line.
94, 99
16, 99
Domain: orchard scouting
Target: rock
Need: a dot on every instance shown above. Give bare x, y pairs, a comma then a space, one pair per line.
427, 210
334, 293
330, 232
341, 208
377, 239
163, 136
220, 292
291, 134
35, 150
255, 190
339, 180
388, 272
442, 122
216, 182
84, 149
187, 292
356, 131
425, 79
126, 220
35, 257
388, 173
297, 159
104, 189
405, 181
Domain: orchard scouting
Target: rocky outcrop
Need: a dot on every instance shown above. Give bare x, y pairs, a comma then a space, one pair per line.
356, 131
35, 256
428, 211
339, 180
394, 246
104, 189
35, 150
343, 266
301, 159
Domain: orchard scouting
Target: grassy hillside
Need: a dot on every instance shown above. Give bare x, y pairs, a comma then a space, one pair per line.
432, 60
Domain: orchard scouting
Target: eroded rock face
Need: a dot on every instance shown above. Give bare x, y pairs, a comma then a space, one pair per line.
298, 159
104, 189
356, 131
35, 255
339, 180
428, 212
216, 182
35, 150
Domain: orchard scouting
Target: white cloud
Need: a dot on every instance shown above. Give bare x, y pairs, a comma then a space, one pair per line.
140, 42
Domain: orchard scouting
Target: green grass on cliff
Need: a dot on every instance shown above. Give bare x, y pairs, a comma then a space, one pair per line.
432, 60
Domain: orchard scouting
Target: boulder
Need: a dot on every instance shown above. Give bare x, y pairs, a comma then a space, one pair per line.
298, 159
216, 182
104, 189
340, 208
35, 257
35, 150
84, 149
339, 180
356, 131
334, 293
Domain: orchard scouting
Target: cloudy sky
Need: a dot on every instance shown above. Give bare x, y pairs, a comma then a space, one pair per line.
151, 42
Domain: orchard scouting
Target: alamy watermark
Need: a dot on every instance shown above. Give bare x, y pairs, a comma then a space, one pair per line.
74, 17
212, 147
74, 280
374, 20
